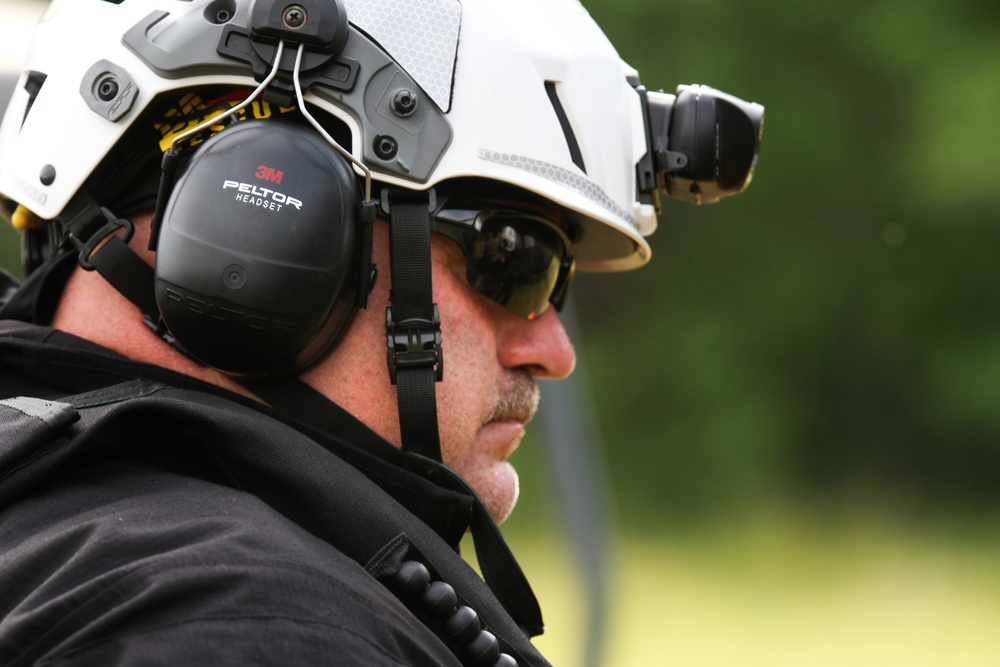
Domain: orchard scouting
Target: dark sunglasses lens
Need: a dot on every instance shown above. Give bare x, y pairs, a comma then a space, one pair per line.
516, 264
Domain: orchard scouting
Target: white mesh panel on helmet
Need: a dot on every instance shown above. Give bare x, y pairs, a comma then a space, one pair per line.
421, 35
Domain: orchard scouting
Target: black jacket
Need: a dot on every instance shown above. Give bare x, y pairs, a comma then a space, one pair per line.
147, 518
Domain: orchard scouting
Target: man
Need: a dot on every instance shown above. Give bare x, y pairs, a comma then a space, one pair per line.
293, 270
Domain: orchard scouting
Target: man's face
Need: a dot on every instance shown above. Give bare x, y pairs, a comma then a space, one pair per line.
491, 358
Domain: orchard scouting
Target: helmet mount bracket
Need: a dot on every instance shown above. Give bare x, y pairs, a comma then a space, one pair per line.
319, 25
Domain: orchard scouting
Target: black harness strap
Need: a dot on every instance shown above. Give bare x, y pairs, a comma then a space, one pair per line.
86, 225
413, 326
127, 273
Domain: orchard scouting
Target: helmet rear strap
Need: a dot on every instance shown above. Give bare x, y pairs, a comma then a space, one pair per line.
85, 225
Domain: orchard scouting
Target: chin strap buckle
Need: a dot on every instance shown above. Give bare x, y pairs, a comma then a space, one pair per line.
87, 246
414, 343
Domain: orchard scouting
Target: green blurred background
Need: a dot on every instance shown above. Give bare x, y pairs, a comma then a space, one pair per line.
796, 398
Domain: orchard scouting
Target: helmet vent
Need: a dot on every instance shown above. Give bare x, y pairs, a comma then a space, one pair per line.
571, 142
32, 85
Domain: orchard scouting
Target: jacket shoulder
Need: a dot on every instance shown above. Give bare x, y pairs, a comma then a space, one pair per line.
120, 565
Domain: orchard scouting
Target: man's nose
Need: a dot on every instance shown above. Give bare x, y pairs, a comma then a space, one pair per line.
540, 346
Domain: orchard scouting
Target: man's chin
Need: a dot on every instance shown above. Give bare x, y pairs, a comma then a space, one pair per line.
498, 486
487, 467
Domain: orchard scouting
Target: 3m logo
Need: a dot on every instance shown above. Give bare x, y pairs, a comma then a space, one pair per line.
269, 174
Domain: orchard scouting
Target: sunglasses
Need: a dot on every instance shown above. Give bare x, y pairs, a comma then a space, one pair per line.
522, 261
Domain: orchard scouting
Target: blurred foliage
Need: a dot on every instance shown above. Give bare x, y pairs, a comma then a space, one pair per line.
831, 333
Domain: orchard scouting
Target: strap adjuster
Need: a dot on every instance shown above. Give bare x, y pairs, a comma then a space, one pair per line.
112, 225
413, 344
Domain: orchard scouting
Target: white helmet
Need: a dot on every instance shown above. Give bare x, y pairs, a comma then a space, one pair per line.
528, 93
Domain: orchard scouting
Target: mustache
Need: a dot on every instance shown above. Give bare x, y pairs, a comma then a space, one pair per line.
518, 399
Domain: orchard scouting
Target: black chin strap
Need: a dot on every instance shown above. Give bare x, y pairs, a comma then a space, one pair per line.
85, 225
412, 323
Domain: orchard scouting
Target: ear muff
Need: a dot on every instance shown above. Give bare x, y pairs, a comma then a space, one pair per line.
257, 264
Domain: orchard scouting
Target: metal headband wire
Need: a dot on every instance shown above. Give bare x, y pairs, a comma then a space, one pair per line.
359, 166
319, 128
236, 109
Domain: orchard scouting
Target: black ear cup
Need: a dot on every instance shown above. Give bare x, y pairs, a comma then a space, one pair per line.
257, 257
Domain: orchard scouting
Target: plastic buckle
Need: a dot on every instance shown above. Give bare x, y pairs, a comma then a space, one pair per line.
414, 343
112, 225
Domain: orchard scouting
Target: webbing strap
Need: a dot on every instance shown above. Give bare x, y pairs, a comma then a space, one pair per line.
409, 235
86, 225
128, 273
413, 331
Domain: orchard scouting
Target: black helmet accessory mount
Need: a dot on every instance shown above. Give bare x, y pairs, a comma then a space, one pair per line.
702, 144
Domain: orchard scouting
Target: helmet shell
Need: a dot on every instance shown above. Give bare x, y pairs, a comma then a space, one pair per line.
534, 94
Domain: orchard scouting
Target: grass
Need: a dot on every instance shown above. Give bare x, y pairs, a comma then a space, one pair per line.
782, 590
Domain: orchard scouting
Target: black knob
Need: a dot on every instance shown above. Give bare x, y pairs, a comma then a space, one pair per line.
439, 600
505, 660
462, 626
482, 651
412, 579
